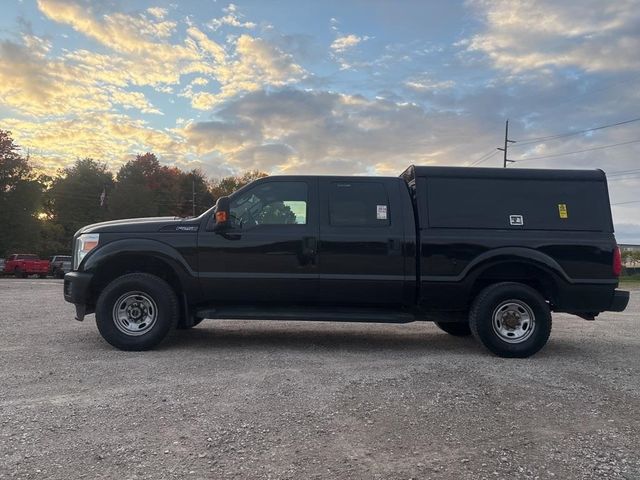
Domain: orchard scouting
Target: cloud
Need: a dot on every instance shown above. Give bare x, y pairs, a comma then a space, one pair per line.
541, 34
105, 136
346, 42
139, 52
232, 19
426, 84
35, 85
256, 64
322, 132
158, 12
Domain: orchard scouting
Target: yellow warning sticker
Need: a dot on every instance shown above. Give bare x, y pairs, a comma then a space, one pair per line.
562, 210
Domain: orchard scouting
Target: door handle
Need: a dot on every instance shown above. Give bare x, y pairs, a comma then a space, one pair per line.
309, 250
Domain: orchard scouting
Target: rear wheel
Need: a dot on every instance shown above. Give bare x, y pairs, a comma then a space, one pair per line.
510, 319
457, 329
136, 311
42, 275
19, 273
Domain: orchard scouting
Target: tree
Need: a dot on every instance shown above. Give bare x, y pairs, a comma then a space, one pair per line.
276, 213
227, 185
74, 199
20, 199
195, 180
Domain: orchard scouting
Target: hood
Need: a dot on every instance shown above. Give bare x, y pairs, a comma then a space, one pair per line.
144, 225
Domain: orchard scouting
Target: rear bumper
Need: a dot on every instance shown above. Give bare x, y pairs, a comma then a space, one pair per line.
619, 301
76, 291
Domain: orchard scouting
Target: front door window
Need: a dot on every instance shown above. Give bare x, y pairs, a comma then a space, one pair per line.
270, 203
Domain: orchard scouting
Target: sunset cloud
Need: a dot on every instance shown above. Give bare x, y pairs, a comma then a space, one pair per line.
591, 35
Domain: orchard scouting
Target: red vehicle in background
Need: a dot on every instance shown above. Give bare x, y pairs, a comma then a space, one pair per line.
23, 264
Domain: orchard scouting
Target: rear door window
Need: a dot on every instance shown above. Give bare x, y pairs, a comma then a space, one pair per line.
358, 204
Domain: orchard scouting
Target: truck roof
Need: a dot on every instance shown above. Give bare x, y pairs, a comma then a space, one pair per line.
503, 173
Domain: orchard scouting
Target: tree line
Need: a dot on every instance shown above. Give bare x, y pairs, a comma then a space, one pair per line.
39, 213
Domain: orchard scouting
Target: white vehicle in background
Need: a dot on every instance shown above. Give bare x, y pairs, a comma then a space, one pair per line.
59, 265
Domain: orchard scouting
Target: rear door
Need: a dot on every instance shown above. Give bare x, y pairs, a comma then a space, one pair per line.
360, 257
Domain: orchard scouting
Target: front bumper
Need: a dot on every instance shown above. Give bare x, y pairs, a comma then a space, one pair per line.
619, 301
76, 291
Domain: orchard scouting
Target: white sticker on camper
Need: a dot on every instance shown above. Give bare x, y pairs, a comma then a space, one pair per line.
516, 220
381, 212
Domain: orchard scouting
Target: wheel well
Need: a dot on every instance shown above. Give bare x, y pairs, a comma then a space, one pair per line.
124, 264
536, 277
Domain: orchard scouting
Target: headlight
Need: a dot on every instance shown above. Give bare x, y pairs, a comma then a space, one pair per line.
85, 243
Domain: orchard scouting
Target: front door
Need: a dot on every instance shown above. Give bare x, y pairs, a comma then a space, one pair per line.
268, 255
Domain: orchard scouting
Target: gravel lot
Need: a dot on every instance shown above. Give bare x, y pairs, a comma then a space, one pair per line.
242, 399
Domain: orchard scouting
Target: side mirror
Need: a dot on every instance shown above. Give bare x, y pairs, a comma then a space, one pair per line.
222, 214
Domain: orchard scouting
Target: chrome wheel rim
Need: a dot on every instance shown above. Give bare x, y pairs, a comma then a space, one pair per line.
135, 313
513, 321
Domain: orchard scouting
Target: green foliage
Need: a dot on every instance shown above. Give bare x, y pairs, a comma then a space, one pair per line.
41, 214
228, 185
20, 199
631, 258
74, 197
276, 214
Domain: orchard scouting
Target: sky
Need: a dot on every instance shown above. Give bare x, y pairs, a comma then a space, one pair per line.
332, 87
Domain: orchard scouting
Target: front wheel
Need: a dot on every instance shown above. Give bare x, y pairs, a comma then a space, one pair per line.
136, 311
511, 319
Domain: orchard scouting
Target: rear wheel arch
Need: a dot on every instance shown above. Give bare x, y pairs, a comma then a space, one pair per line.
524, 271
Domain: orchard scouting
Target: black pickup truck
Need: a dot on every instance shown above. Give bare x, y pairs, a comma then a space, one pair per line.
488, 252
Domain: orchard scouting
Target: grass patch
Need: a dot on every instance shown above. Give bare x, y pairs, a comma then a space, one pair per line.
633, 281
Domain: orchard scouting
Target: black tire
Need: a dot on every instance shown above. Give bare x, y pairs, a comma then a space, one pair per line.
42, 275
182, 326
517, 302
149, 289
59, 274
457, 329
19, 273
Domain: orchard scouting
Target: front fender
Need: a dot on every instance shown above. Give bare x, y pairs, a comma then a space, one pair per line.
101, 256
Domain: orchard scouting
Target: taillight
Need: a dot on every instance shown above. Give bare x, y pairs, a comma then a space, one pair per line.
617, 261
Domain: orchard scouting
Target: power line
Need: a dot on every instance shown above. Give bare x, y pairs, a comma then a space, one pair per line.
484, 158
600, 147
570, 134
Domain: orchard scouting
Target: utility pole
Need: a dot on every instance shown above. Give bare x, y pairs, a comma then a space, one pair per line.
506, 145
193, 196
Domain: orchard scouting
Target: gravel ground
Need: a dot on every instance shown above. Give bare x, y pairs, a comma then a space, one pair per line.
242, 399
